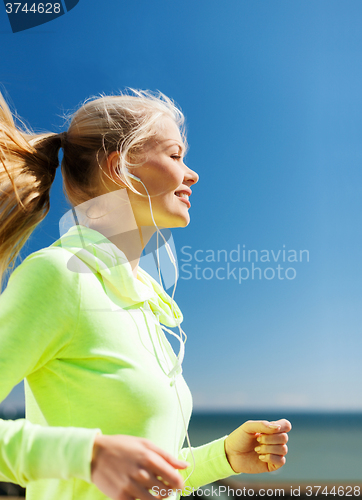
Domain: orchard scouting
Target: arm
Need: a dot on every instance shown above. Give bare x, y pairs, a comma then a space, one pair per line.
252, 448
38, 315
211, 464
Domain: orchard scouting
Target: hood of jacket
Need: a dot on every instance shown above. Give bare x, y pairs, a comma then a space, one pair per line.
105, 259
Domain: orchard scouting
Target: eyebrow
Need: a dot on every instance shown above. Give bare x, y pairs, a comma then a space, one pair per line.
182, 147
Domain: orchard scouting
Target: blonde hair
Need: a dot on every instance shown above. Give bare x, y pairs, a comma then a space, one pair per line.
28, 162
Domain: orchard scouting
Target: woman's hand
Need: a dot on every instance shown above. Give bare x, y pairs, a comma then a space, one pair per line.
258, 446
127, 467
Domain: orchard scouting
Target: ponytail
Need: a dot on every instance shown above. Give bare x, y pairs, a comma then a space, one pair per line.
28, 164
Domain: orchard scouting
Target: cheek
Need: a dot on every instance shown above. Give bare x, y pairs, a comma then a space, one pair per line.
175, 178
165, 182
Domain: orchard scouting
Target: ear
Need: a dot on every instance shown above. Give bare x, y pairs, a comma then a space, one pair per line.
113, 168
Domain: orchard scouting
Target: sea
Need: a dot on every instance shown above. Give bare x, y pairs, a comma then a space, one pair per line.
323, 447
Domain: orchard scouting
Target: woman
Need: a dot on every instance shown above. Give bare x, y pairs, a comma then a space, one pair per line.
107, 406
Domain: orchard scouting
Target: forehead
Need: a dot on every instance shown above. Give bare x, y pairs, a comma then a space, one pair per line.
167, 133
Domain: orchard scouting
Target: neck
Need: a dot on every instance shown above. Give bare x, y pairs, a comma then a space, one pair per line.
111, 214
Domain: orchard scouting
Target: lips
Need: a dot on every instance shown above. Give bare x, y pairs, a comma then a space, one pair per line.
183, 195
183, 190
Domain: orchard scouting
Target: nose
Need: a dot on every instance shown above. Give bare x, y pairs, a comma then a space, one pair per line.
191, 176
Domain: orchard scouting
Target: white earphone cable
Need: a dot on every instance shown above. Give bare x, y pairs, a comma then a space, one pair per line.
182, 337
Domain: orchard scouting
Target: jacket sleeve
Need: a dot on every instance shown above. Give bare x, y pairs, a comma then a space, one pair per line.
211, 464
38, 316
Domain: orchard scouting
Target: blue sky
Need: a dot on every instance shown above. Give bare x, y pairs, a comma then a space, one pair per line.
272, 95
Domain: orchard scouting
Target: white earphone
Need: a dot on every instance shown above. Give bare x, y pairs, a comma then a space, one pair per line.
177, 368
167, 246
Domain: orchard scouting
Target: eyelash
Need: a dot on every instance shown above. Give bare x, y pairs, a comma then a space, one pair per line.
177, 157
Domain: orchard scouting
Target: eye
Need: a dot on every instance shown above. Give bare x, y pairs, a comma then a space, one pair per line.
176, 157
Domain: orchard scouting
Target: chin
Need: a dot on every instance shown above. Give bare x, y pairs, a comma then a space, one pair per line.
184, 220
182, 225
173, 219
179, 222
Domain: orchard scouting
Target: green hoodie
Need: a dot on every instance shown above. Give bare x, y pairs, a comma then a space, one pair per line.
85, 335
